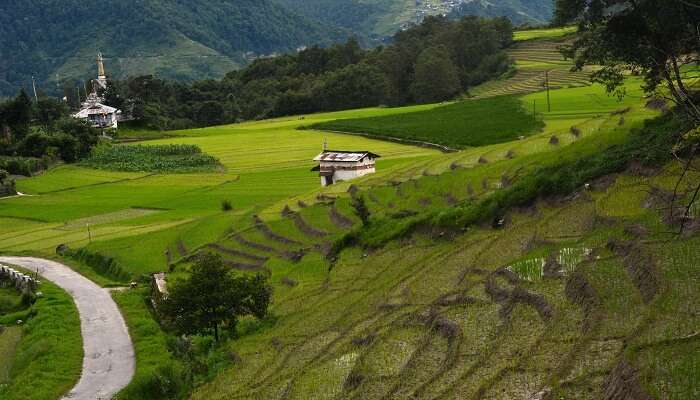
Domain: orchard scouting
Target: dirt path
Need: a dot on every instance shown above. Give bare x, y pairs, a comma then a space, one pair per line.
108, 363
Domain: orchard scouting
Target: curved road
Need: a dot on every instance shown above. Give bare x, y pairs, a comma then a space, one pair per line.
108, 363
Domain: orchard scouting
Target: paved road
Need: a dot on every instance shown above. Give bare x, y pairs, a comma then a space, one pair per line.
108, 364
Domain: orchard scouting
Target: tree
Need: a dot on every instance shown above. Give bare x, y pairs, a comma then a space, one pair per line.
355, 86
436, 77
49, 110
212, 296
655, 38
18, 115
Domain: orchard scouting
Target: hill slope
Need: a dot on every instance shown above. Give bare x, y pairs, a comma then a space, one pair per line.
380, 18
176, 39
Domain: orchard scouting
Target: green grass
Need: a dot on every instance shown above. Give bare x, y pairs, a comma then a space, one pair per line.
323, 313
10, 300
265, 162
463, 124
48, 359
150, 342
157, 158
9, 339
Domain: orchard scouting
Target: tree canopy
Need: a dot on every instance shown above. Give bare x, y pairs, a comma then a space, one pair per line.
465, 52
212, 296
42, 129
655, 38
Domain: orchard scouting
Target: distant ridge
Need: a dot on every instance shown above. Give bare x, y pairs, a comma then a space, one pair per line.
57, 41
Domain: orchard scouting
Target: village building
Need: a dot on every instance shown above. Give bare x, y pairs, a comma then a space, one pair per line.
92, 110
338, 165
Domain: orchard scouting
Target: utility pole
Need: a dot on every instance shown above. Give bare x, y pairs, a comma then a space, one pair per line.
546, 80
36, 98
89, 234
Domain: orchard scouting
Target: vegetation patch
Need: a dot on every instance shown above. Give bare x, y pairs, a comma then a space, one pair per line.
464, 124
103, 265
157, 370
48, 358
157, 158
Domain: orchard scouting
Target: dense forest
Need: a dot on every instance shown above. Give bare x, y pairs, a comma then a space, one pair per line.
430, 62
57, 41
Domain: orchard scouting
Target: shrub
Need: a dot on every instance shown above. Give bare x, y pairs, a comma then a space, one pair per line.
226, 205
165, 382
22, 165
102, 264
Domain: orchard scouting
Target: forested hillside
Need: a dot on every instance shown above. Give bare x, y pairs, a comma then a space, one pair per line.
533, 12
431, 62
378, 19
57, 41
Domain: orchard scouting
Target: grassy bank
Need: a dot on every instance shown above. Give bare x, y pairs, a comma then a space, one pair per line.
48, 358
157, 371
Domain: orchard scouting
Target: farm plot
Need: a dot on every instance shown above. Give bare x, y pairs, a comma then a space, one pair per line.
155, 158
458, 125
152, 212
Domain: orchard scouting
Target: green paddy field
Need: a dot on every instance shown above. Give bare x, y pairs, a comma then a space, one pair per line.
552, 299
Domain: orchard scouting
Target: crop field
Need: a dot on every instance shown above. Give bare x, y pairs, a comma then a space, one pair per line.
463, 124
556, 298
541, 304
157, 158
537, 61
476, 316
116, 212
544, 33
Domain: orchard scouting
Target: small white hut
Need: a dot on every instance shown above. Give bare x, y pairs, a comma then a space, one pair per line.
338, 165
99, 115
92, 110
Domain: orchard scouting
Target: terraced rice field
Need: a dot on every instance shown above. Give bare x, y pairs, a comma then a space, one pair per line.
489, 314
536, 60
553, 302
544, 305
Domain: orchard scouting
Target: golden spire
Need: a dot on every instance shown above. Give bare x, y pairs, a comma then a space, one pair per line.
100, 66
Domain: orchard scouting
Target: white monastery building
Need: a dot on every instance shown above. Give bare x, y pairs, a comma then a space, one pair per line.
92, 110
337, 165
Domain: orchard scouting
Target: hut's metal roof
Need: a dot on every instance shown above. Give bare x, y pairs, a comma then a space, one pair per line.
344, 156
96, 108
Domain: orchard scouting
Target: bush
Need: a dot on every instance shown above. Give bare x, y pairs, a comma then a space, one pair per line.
26, 166
165, 382
226, 205
103, 265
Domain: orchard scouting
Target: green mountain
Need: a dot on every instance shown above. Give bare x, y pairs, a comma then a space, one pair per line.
58, 41
381, 18
533, 12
